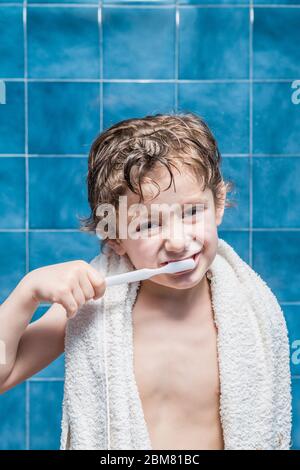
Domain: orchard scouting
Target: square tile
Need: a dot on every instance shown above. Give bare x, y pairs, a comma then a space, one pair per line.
292, 318
45, 415
12, 120
276, 258
225, 108
57, 190
56, 50
213, 43
296, 415
236, 169
63, 117
12, 42
276, 35
12, 192
12, 419
276, 118
131, 50
238, 240
276, 195
128, 100
59, 247
13, 261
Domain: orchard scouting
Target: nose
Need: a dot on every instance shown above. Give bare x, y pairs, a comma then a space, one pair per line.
177, 241
176, 245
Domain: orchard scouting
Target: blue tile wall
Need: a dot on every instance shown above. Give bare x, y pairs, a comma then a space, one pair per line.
45, 413
63, 117
61, 202
12, 191
72, 68
131, 52
276, 123
276, 55
203, 53
11, 44
214, 102
56, 50
12, 117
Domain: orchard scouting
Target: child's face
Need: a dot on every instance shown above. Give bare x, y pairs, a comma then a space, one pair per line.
153, 247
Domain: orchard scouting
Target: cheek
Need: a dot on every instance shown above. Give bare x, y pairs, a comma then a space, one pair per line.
206, 234
208, 227
143, 253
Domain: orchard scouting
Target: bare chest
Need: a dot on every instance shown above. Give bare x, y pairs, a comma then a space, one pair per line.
177, 375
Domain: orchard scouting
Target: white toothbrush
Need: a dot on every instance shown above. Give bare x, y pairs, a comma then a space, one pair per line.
140, 274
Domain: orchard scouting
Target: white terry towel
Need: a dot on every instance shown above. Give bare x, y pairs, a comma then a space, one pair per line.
102, 408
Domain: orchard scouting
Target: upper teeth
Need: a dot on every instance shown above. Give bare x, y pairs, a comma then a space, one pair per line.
191, 257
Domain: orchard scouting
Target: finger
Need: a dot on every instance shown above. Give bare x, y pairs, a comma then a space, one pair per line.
78, 295
98, 282
69, 304
86, 286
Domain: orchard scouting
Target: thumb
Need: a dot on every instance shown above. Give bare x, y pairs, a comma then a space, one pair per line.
98, 282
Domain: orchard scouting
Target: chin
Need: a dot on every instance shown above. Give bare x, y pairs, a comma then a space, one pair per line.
179, 282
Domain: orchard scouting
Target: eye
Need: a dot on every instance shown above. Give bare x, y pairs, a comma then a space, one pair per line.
145, 226
194, 210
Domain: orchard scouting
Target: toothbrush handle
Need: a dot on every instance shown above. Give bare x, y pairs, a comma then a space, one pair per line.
145, 273
131, 276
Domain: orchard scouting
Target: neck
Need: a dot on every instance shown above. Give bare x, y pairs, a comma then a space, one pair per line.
177, 302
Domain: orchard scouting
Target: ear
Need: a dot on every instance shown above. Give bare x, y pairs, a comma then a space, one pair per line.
221, 207
117, 247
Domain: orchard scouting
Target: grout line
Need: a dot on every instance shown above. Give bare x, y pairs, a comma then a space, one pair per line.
210, 6
286, 303
46, 379
101, 52
225, 229
150, 80
101, 68
53, 5
278, 155
251, 20
83, 155
151, 5
266, 5
44, 155
145, 5
176, 64
26, 133
43, 230
27, 417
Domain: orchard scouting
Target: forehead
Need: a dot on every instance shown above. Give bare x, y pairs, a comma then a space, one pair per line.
187, 187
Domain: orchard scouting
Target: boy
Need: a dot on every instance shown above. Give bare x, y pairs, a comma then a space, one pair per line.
175, 327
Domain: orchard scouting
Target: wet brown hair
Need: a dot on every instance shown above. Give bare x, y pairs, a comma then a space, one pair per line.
123, 156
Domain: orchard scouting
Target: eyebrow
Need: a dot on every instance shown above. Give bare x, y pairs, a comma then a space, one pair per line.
192, 201
196, 200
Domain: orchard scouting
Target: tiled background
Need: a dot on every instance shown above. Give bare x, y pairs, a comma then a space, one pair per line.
74, 68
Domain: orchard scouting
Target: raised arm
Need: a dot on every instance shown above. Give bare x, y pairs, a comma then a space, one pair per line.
26, 348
